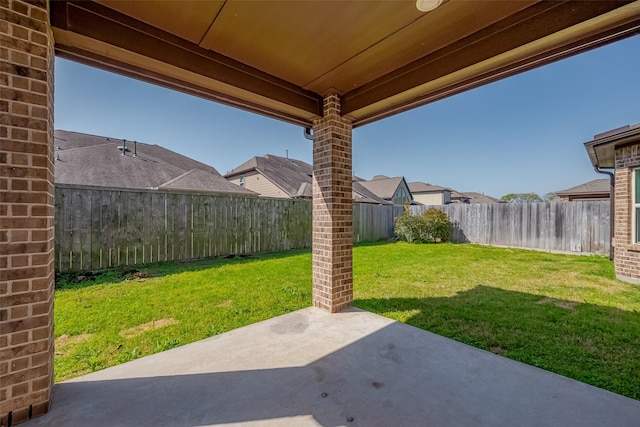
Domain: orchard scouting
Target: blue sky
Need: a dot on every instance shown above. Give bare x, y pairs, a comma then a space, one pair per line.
521, 134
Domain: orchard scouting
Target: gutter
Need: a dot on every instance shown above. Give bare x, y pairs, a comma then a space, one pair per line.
612, 194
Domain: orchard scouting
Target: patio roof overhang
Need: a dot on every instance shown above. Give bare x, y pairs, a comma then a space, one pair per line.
601, 149
281, 58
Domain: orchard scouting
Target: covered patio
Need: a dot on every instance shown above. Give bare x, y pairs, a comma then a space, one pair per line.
327, 67
312, 368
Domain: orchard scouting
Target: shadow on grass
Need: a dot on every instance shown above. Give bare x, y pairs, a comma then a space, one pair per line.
83, 279
593, 344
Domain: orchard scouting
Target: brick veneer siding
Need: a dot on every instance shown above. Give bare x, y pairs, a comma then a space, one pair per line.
626, 254
332, 210
26, 210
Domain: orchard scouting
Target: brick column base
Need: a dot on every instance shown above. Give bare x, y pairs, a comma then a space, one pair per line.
26, 210
332, 210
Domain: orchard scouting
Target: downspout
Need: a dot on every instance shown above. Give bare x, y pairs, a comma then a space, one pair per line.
612, 210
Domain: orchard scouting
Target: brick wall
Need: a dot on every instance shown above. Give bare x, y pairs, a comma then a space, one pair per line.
332, 210
626, 255
26, 210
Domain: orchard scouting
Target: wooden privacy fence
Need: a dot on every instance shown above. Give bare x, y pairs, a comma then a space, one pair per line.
374, 222
99, 228
581, 227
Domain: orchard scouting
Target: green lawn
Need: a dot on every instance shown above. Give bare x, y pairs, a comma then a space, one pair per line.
566, 314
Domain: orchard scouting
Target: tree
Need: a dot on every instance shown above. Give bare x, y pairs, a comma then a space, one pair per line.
521, 198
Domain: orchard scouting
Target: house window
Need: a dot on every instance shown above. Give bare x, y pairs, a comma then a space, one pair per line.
242, 181
636, 206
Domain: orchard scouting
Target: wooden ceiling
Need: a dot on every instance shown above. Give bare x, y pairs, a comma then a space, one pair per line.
280, 58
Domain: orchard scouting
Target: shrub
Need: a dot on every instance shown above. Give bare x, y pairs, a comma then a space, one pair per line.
437, 224
431, 227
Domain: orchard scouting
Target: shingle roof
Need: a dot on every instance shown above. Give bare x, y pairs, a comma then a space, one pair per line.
421, 187
361, 194
95, 160
383, 187
479, 198
294, 177
199, 179
591, 187
457, 197
288, 174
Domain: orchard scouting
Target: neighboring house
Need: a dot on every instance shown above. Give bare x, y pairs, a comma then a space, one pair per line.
619, 149
99, 161
480, 199
457, 197
275, 176
598, 189
394, 190
429, 194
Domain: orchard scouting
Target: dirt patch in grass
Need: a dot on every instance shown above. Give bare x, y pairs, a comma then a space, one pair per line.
496, 349
64, 341
567, 305
224, 304
140, 329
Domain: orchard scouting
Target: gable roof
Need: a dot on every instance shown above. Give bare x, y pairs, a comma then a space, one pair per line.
421, 187
295, 177
288, 174
383, 186
597, 186
201, 180
361, 194
83, 159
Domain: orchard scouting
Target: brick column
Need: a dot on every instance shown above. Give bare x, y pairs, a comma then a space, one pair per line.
26, 210
332, 210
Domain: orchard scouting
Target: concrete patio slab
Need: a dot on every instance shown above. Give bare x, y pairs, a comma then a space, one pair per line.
311, 368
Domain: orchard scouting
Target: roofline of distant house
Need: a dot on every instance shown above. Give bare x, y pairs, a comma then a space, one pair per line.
429, 191
156, 190
233, 173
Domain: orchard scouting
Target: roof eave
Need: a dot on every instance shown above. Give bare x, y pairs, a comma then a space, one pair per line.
586, 194
604, 148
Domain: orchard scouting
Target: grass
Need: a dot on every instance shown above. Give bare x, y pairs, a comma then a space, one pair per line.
119, 316
565, 314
